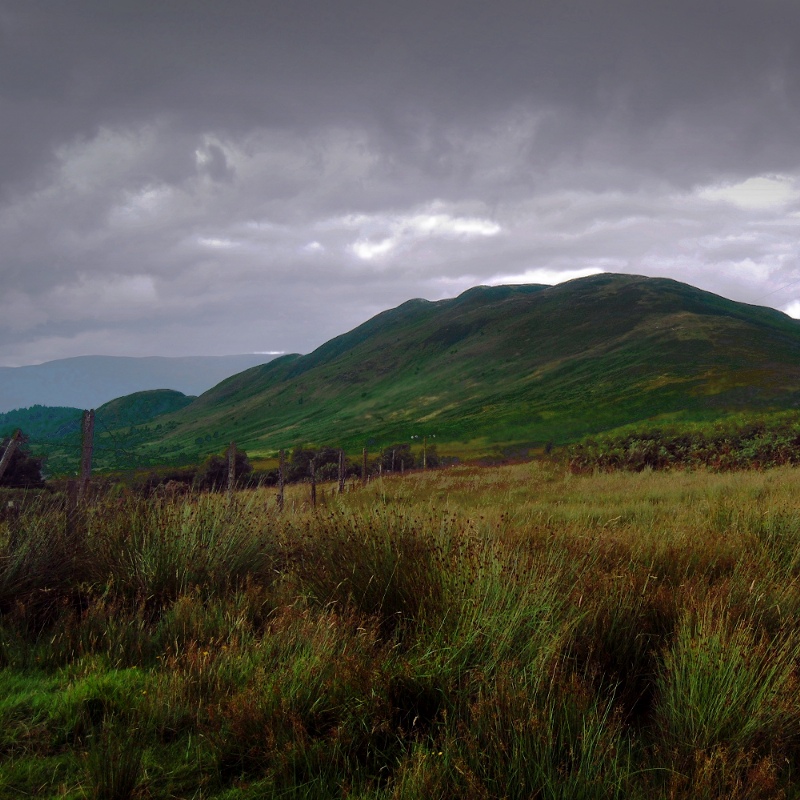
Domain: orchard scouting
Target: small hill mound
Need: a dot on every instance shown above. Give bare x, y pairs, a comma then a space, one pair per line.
141, 407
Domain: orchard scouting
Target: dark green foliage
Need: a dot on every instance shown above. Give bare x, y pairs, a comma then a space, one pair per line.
429, 457
298, 467
213, 474
747, 445
326, 464
397, 457
154, 481
24, 471
42, 423
121, 426
140, 407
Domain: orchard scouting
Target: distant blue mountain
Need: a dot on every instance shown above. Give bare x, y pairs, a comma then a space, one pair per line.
90, 381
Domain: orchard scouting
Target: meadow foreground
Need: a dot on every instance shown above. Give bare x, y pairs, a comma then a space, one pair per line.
510, 632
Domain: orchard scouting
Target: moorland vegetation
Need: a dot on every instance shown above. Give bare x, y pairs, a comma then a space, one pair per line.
508, 632
737, 442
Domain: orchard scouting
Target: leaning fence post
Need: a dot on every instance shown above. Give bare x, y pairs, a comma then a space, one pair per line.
86, 453
9, 451
341, 472
231, 468
280, 481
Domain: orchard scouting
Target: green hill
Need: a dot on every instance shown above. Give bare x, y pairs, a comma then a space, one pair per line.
121, 427
41, 423
140, 407
505, 366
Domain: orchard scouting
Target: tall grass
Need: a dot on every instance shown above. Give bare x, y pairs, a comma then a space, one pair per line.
724, 688
514, 632
158, 550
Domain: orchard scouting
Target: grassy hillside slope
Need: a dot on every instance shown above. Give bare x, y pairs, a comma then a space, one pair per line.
506, 365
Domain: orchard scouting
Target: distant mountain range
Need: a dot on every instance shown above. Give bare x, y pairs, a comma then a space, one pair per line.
496, 369
90, 381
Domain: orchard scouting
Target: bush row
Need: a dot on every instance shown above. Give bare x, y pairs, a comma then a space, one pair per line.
751, 446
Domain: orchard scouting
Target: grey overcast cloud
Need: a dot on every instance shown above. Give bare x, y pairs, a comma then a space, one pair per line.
202, 178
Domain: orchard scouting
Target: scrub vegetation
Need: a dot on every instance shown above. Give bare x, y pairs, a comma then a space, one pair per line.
510, 632
739, 442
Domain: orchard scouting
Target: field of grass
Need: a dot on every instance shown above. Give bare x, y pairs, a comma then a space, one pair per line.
511, 632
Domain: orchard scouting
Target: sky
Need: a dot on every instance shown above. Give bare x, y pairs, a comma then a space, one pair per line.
188, 177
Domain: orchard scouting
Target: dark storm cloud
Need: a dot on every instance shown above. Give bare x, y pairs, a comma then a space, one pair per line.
187, 177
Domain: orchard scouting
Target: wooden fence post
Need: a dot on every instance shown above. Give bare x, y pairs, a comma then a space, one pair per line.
9, 451
86, 453
364, 466
424, 452
280, 481
231, 468
74, 516
312, 466
341, 472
